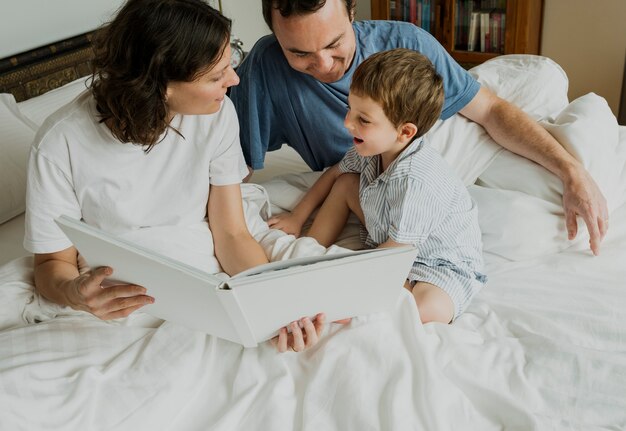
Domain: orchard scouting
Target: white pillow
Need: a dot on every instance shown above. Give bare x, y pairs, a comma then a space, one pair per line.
536, 84
517, 226
465, 146
525, 218
19, 123
285, 191
588, 130
39, 108
17, 135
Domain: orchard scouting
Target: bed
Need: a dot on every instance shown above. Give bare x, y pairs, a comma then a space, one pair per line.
542, 347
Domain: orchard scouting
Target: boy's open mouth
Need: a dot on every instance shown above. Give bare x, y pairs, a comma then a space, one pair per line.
357, 141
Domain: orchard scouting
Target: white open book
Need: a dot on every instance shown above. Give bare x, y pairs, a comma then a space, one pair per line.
253, 305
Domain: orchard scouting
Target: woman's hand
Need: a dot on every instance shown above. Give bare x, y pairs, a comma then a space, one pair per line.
287, 222
58, 280
86, 292
299, 340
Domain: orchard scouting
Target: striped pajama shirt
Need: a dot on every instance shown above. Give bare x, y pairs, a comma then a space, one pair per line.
419, 200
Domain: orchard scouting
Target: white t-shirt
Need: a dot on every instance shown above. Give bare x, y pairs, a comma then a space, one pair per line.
79, 169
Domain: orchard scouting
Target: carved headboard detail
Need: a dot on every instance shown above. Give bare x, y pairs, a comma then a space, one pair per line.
42, 69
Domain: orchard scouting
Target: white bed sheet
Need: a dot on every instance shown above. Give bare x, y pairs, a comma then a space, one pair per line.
542, 347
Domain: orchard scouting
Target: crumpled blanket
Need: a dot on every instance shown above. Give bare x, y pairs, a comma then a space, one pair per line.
66, 369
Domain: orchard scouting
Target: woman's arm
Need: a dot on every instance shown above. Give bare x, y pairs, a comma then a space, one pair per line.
57, 279
235, 248
292, 222
510, 127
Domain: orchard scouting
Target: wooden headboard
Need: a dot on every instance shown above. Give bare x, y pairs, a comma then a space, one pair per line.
37, 71
622, 105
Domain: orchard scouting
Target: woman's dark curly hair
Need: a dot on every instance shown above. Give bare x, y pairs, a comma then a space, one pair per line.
288, 8
148, 44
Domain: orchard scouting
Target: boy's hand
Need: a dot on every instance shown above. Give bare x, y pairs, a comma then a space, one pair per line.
287, 222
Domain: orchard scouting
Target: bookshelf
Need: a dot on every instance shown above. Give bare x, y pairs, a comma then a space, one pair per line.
472, 31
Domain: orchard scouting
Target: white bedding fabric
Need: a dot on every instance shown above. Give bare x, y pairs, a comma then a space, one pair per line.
11, 238
538, 349
543, 347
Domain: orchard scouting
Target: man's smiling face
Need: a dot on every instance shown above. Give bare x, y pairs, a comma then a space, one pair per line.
321, 44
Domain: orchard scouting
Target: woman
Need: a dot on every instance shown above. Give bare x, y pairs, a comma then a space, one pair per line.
152, 141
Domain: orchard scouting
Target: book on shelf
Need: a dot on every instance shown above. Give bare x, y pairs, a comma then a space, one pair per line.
485, 32
399, 10
253, 305
426, 15
418, 12
474, 31
480, 25
500, 30
418, 18
413, 11
496, 42
492, 31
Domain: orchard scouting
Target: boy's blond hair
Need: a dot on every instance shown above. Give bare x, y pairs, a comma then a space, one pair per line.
406, 85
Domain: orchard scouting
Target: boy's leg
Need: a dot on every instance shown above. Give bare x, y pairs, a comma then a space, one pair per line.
333, 215
433, 303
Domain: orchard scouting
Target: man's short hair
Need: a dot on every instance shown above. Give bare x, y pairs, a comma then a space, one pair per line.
288, 8
406, 85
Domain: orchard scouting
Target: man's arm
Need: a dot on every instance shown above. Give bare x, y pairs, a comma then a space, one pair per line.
510, 127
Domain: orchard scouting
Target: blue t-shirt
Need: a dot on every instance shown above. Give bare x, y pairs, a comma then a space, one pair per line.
277, 104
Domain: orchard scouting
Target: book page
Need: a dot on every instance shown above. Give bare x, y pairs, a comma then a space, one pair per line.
299, 261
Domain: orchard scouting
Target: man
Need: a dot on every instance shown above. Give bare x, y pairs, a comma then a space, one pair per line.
294, 89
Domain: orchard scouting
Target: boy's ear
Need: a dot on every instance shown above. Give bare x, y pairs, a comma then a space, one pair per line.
406, 132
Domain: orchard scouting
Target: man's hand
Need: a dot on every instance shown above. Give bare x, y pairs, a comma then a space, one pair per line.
582, 197
510, 127
87, 294
287, 222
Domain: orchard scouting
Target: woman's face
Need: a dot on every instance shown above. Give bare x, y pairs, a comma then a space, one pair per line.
205, 94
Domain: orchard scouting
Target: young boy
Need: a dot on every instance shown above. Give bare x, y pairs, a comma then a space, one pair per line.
401, 190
